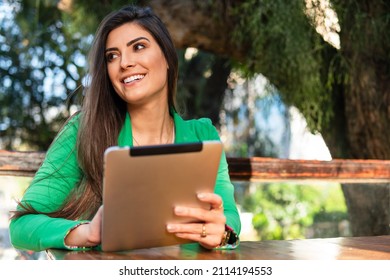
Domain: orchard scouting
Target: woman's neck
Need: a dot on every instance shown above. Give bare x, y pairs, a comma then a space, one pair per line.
151, 125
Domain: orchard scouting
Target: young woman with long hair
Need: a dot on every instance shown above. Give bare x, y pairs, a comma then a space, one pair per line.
129, 101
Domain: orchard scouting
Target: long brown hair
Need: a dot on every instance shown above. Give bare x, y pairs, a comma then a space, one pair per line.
103, 111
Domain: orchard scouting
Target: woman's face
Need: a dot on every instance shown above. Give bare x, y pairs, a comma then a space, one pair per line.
136, 65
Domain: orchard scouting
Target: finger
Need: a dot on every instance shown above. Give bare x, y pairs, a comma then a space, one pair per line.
200, 214
212, 198
208, 242
198, 229
208, 235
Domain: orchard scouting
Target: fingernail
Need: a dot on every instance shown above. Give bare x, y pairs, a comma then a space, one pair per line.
179, 210
201, 196
171, 228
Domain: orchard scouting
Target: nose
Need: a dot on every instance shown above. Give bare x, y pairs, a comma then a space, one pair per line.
127, 61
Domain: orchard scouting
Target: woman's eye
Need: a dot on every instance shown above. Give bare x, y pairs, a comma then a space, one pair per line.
111, 56
139, 46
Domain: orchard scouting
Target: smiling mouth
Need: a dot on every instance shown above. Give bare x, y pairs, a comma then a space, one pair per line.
133, 78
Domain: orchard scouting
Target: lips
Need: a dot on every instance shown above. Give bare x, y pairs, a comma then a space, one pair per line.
133, 78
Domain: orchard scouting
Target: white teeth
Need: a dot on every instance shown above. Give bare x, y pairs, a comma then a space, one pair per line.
133, 78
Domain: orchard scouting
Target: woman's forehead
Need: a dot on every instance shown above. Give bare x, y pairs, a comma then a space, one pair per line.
127, 32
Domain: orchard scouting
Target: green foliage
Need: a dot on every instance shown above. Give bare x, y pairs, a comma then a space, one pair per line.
38, 66
84, 16
192, 81
281, 43
42, 64
285, 211
366, 25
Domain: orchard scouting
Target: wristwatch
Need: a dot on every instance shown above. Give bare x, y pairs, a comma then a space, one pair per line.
229, 237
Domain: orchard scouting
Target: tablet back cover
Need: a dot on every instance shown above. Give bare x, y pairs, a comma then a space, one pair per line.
142, 185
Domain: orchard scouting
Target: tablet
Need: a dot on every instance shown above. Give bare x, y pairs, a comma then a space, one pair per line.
142, 185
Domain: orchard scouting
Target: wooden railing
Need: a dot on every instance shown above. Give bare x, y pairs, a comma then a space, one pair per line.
246, 169
340, 170
20, 163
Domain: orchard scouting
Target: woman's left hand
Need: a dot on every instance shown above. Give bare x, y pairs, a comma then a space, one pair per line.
209, 232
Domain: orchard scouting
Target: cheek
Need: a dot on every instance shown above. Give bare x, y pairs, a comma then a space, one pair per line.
162, 68
162, 75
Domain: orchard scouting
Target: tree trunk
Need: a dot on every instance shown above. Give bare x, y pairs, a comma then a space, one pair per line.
205, 25
368, 208
367, 111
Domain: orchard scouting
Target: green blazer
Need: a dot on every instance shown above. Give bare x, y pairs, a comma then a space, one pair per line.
60, 173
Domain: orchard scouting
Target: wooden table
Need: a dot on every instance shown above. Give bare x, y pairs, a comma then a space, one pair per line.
341, 248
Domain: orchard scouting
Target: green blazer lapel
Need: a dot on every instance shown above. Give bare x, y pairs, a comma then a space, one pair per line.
125, 137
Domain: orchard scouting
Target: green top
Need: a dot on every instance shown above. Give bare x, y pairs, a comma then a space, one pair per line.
60, 173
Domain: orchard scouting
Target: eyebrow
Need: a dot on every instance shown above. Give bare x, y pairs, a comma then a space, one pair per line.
135, 40
129, 43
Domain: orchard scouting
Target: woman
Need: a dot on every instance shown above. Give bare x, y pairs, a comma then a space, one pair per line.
130, 101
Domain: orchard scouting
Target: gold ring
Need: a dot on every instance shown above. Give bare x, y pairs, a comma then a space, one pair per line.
203, 234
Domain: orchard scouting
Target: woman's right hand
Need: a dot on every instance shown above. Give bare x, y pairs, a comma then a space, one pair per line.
86, 235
